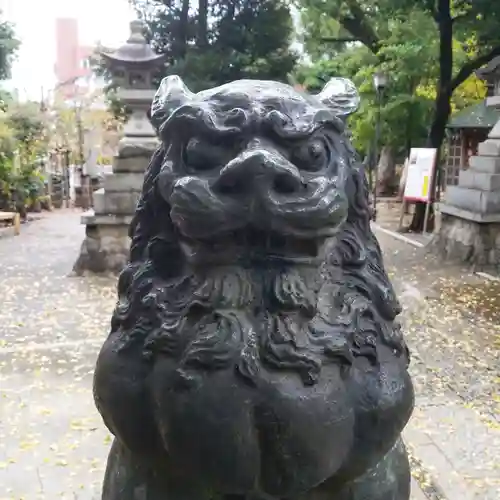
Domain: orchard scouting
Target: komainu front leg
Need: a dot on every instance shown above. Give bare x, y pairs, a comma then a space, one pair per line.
129, 477
389, 480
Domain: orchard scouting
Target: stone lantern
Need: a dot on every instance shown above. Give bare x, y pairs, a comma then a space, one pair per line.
106, 244
132, 67
470, 212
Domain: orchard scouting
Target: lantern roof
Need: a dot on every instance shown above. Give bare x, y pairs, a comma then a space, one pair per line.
135, 51
476, 116
490, 72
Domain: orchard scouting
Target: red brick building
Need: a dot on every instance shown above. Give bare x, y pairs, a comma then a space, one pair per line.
71, 57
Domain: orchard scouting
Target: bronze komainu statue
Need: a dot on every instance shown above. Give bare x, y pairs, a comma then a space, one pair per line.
254, 352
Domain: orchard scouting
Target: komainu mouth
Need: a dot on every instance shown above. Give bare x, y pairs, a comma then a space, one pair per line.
254, 352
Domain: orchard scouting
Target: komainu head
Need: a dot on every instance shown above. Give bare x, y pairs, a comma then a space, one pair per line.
256, 201
255, 279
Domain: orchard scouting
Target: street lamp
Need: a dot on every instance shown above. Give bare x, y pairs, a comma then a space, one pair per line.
380, 83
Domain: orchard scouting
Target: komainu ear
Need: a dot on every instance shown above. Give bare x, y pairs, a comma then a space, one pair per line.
171, 94
341, 96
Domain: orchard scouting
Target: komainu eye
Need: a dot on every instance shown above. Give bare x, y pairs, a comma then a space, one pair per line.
199, 155
312, 155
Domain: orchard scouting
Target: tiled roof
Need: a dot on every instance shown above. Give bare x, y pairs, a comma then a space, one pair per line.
476, 116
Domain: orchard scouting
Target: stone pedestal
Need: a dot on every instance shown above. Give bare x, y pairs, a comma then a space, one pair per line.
470, 214
106, 244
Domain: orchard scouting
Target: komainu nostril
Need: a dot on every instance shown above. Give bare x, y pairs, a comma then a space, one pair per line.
230, 187
286, 184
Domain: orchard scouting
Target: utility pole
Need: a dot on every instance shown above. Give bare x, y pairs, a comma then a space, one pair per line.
84, 178
47, 170
66, 176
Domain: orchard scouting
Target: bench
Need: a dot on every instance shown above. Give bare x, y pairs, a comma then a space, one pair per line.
15, 218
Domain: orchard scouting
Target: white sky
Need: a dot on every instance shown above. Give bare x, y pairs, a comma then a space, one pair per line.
106, 21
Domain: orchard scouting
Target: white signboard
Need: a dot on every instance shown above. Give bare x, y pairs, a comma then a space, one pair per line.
422, 163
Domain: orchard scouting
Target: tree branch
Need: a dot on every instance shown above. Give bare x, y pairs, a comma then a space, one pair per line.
469, 67
430, 6
332, 39
361, 31
358, 25
353, 19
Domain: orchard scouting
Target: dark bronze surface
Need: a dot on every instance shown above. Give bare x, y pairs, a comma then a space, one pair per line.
254, 352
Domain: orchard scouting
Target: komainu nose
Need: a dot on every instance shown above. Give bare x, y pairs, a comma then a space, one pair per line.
284, 183
257, 172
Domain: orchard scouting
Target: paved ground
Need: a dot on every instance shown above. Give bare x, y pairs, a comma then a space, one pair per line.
52, 442
452, 325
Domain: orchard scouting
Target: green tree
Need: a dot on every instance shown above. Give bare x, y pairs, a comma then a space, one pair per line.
7, 150
463, 21
461, 38
8, 139
244, 39
6, 99
9, 45
408, 52
22, 142
27, 124
474, 23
